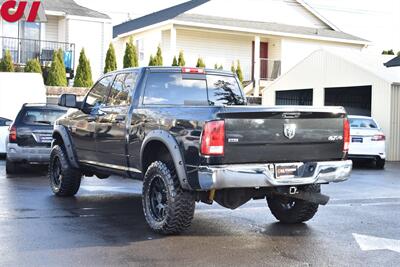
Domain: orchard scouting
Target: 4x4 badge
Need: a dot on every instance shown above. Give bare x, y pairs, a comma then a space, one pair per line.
289, 130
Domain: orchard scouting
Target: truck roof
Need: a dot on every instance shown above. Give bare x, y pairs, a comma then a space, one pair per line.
174, 69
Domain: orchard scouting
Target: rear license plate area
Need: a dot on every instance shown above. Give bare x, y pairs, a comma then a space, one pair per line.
357, 140
286, 171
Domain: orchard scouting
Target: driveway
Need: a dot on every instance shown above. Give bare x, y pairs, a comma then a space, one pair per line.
104, 225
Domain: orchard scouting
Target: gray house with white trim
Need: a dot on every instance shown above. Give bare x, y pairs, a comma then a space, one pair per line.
69, 26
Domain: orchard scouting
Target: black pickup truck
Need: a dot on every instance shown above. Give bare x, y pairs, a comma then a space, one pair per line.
190, 136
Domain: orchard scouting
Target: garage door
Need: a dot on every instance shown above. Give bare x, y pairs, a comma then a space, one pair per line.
302, 97
356, 100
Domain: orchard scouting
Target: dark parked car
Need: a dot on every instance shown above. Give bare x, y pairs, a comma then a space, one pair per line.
190, 136
30, 135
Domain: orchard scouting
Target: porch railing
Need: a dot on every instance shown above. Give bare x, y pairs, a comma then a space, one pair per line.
23, 50
270, 69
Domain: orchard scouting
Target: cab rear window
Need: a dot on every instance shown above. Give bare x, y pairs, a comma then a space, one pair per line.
192, 90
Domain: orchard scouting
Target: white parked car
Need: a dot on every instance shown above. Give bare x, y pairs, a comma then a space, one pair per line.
4, 125
367, 140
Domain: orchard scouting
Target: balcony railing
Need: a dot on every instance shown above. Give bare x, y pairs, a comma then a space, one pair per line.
270, 69
23, 50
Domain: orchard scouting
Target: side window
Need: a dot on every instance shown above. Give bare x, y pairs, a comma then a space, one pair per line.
173, 89
99, 93
122, 89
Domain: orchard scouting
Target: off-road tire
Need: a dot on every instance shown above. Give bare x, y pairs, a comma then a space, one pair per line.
380, 163
69, 178
179, 206
11, 167
301, 211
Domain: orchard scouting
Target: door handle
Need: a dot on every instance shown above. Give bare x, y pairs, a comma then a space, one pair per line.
119, 118
91, 118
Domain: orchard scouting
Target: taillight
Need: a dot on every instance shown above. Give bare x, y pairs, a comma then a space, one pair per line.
12, 137
379, 137
213, 138
193, 70
346, 135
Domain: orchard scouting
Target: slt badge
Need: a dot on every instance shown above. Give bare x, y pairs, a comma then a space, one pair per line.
289, 130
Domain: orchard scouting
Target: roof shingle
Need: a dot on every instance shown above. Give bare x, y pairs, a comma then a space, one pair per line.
72, 8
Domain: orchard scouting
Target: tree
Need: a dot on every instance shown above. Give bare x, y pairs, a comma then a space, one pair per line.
151, 61
158, 59
220, 67
181, 59
60, 55
57, 75
33, 65
6, 63
216, 66
398, 54
200, 63
130, 57
233, 67
83, 76
175, 62
239, 73
111, 60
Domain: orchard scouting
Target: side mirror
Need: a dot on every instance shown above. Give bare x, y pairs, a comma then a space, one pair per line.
68, 100
9, 123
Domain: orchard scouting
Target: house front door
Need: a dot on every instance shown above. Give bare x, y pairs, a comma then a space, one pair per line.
263, 60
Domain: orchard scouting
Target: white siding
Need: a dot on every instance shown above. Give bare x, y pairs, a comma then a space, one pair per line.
95, 37
215, 48
394, 145
279, 11
52, 29
150, 39
322, 70
294, 50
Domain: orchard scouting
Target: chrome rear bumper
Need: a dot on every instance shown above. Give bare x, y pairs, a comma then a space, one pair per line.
264, 175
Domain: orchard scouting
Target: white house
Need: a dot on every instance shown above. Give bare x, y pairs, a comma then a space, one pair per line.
356, 80
282, 32
69, 26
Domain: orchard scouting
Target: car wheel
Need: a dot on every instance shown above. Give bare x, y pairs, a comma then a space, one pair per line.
168, 208
289, 210
11, 167
380, 163
64, 179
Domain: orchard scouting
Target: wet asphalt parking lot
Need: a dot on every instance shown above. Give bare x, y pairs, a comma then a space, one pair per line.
104, 226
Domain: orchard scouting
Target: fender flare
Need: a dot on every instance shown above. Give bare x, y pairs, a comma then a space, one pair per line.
172, 145
66, 139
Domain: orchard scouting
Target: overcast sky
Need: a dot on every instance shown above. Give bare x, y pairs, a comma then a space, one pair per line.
377, 21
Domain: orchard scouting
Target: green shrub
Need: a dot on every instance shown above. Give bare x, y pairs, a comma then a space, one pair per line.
151, 61
33, 65
175, 62
130, 56
158, 59
57, 75
111, 60
200, 63
181, 59
6, 63
233, 67
239, 72
83, 76
220, 67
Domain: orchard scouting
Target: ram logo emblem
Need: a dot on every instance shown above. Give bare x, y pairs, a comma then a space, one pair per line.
289, 130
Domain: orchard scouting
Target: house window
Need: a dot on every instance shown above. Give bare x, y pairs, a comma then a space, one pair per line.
140, 48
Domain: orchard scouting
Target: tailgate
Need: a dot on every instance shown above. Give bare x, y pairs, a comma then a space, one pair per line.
34, 137
282, 134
